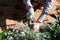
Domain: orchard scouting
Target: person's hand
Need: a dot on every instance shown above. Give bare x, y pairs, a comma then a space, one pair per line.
30, 14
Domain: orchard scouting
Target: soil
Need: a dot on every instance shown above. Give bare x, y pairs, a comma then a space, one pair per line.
11, 19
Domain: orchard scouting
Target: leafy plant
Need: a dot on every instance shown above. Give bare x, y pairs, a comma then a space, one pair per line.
3, 34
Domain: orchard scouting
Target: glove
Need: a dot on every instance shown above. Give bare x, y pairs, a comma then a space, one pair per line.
30, 14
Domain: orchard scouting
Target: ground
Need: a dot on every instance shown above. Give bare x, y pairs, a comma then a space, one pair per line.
12, 9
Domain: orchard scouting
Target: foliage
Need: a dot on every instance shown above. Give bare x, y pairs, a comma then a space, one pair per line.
51, 31
3, 34
24, 35
57, 8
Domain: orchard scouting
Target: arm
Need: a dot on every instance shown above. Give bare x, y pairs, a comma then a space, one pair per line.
27, 3
47, 7
30, 9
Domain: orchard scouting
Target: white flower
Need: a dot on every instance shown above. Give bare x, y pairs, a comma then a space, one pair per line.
10, 38
22, 34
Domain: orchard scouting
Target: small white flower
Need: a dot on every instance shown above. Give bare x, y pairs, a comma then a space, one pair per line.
5, 33
22, 33
11, 38
17, 31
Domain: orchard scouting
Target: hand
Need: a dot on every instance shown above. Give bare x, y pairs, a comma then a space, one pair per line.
30, 13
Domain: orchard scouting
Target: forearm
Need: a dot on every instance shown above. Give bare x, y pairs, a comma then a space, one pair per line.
47, 7
29, 7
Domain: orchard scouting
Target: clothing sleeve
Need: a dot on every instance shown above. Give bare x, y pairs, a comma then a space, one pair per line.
30, 12
47, 6
27, 3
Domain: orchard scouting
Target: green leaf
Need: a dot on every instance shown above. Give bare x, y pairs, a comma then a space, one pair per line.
57, 8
